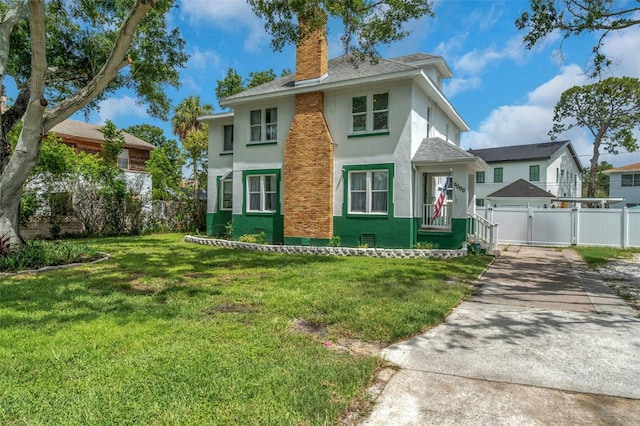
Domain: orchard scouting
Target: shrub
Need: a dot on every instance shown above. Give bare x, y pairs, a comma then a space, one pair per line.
38, 254
335, 241
260, 238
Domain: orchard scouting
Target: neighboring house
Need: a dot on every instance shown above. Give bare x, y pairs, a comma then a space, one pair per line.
624, 182
86, 137
337, 150
552, 167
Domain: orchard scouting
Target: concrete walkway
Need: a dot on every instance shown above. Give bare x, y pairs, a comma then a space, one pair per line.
544, 343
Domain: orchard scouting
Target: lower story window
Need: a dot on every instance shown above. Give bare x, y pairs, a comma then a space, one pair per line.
369, 191
261, 193
226, 194
480, 202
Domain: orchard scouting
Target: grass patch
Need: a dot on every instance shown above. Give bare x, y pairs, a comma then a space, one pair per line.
172, 333
599, 256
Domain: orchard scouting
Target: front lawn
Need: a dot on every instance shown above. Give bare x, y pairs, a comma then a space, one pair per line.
167, 332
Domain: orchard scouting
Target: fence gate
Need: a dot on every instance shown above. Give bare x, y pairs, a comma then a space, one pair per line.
564, 227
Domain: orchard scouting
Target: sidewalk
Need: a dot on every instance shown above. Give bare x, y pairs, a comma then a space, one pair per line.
544, 343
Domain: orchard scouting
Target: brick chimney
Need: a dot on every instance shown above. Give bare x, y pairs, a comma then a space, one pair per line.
308, 152
312, 56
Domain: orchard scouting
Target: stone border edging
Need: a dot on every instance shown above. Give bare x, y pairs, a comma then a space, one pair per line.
105, 256
329, 251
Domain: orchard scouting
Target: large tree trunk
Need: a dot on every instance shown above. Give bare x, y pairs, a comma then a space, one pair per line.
593, 171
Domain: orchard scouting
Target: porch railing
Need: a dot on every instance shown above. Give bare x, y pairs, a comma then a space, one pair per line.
443, 221
480, 229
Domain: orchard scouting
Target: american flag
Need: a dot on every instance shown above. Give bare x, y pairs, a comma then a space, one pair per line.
441, 199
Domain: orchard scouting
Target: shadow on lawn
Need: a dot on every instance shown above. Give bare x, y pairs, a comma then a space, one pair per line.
135, 283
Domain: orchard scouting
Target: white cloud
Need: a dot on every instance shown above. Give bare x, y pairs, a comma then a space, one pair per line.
201, 60
548, 94
532, 121
474, 62
622, 48
231, 15
459, 85
111, 109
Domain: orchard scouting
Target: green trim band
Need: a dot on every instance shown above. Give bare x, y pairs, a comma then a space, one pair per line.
226, 153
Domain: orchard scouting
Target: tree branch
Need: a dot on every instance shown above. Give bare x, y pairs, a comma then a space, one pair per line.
117, 60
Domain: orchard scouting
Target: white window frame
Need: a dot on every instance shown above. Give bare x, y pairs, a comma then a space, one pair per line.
265, 128
369, 191
263, 193
369, 113
123, 159
223, 183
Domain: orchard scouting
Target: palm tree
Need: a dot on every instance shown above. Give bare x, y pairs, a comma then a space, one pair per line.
184, 122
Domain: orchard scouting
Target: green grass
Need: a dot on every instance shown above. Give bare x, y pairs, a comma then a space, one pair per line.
172, 333
598, 256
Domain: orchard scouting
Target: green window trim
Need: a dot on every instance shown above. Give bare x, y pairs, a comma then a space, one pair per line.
534, 173
389, 167
479, 177
498, 175
262, 143
365, 135
245, 175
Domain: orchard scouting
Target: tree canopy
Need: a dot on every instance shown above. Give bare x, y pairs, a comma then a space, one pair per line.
608, 109
233, 83
66, 56
366, 23
575, 17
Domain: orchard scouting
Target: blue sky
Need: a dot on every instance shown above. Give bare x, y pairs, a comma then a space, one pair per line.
504, 92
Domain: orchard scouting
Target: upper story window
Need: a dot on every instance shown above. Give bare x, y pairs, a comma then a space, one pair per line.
631, 179
263, 122
227, 144
534, 173
123, 159
498, 174
370, 113
479, 177
369, 191
261, 193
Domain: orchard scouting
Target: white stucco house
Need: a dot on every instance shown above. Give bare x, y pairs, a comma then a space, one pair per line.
531, 175
624, 182
337, 150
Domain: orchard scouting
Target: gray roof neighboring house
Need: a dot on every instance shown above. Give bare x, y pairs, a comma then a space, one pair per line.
521, 189
81, 129
530, 152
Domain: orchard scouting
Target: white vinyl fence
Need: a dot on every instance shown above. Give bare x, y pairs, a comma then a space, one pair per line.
563, 227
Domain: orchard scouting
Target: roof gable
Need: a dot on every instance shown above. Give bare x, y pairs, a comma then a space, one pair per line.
521, 189
84, 130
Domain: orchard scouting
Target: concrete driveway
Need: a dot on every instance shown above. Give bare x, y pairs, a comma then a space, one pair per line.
546, 342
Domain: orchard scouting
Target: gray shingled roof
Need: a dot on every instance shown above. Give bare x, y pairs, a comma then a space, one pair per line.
340, 69
82, 129
535, 151
438, 150
521, 189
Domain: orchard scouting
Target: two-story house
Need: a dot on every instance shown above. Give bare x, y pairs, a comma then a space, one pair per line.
624, 182
530, 175
360, 152
87, 137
